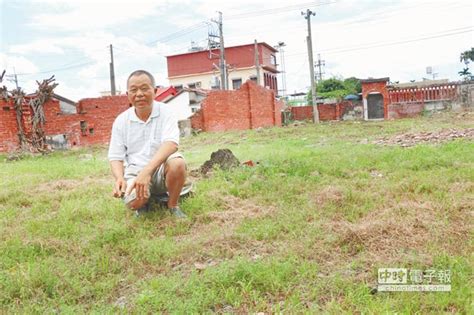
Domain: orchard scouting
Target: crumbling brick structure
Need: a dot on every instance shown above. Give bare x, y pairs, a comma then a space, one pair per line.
91, 124
250, 107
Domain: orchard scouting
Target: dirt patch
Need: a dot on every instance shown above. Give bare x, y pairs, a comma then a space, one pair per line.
431, 137
400, 234
329, 194
222, 158
213, 235
70, 184
224, 222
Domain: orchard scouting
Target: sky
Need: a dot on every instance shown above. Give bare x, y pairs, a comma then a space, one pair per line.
364, 39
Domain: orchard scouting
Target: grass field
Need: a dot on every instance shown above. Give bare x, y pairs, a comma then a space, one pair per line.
303, 231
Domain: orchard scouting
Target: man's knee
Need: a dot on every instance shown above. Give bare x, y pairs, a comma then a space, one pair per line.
176, 167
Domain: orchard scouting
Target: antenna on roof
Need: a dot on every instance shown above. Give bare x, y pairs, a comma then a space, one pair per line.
195, 47
212, 41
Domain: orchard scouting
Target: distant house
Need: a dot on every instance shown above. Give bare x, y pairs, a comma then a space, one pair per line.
186, 102
165, 93
200, 69
297, 99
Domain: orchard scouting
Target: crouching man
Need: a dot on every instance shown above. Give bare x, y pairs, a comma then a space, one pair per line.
143, 151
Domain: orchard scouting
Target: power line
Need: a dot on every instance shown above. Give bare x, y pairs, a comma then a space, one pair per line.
386, 13
277, 10
397, 42
376, 45
59, 69
179, 33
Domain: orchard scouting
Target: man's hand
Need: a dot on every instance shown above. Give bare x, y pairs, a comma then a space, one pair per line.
120, 187
141, 184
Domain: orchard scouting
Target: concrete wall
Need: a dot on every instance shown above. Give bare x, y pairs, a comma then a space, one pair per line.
411, 101
465, 95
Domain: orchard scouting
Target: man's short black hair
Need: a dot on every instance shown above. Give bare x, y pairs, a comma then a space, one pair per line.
141, 72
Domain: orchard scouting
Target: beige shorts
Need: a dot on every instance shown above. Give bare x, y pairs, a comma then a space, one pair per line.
157, 185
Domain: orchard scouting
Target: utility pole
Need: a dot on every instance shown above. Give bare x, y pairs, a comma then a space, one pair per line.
222, 64
307, 16
257, 62
112, 73
283, 70
319, 64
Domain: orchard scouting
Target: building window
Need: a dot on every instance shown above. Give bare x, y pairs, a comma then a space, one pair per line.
273, 60
194, 85
236, 84
253, 78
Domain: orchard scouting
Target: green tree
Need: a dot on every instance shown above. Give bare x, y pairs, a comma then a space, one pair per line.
336, 88
353, 85
465, 73
466, 57
330, 85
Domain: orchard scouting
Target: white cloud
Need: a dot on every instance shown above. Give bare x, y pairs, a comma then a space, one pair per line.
79, 32
36, 47
93, 15
16, 64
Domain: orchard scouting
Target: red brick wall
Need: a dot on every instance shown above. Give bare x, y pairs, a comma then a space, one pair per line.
197, 121
262, 106
250, 107
277, 112
97, 113
333, 111
58, 123
302, 112
327, 112
8, 127
405, 110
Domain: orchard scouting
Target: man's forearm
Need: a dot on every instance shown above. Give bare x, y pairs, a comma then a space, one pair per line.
166, 149
117, 169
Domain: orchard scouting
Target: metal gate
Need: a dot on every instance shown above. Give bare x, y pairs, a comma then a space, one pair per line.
375, 106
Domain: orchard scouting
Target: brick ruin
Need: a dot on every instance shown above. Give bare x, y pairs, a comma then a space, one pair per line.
91, 122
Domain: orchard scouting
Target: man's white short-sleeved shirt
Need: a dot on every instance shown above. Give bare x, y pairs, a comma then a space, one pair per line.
135, 141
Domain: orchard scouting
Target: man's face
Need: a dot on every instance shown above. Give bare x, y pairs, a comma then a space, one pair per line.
140, 92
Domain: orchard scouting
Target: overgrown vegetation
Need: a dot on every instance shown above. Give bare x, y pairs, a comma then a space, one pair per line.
302, 231
466, 57
336, 88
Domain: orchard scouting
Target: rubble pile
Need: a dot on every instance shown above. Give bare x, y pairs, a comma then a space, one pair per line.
432, 137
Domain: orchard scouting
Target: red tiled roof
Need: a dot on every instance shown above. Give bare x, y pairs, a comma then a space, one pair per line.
162, 93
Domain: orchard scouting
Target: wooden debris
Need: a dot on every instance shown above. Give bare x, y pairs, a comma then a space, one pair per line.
30, 129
